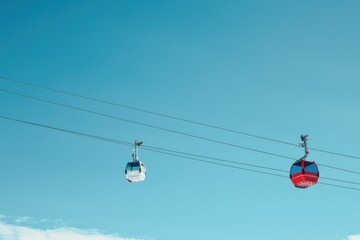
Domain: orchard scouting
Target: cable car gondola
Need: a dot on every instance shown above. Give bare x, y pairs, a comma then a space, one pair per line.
135, 171
304, 173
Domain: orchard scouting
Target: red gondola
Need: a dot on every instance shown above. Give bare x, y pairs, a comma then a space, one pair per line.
304, 173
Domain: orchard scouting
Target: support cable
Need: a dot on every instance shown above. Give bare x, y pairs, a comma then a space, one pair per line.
159, 151
165, 129
170, 116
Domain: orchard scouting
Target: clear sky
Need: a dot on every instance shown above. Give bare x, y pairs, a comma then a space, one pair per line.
277, 69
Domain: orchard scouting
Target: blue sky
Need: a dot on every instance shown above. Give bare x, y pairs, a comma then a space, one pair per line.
277, 69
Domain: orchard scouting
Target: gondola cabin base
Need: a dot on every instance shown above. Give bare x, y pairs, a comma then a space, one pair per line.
304, 180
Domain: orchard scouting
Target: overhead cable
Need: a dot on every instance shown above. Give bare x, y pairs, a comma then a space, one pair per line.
158, 151
165, 129
145, 125
171, 117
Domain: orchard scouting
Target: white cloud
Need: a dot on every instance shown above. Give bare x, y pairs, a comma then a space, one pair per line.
22, 219
354, 237
14, 232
